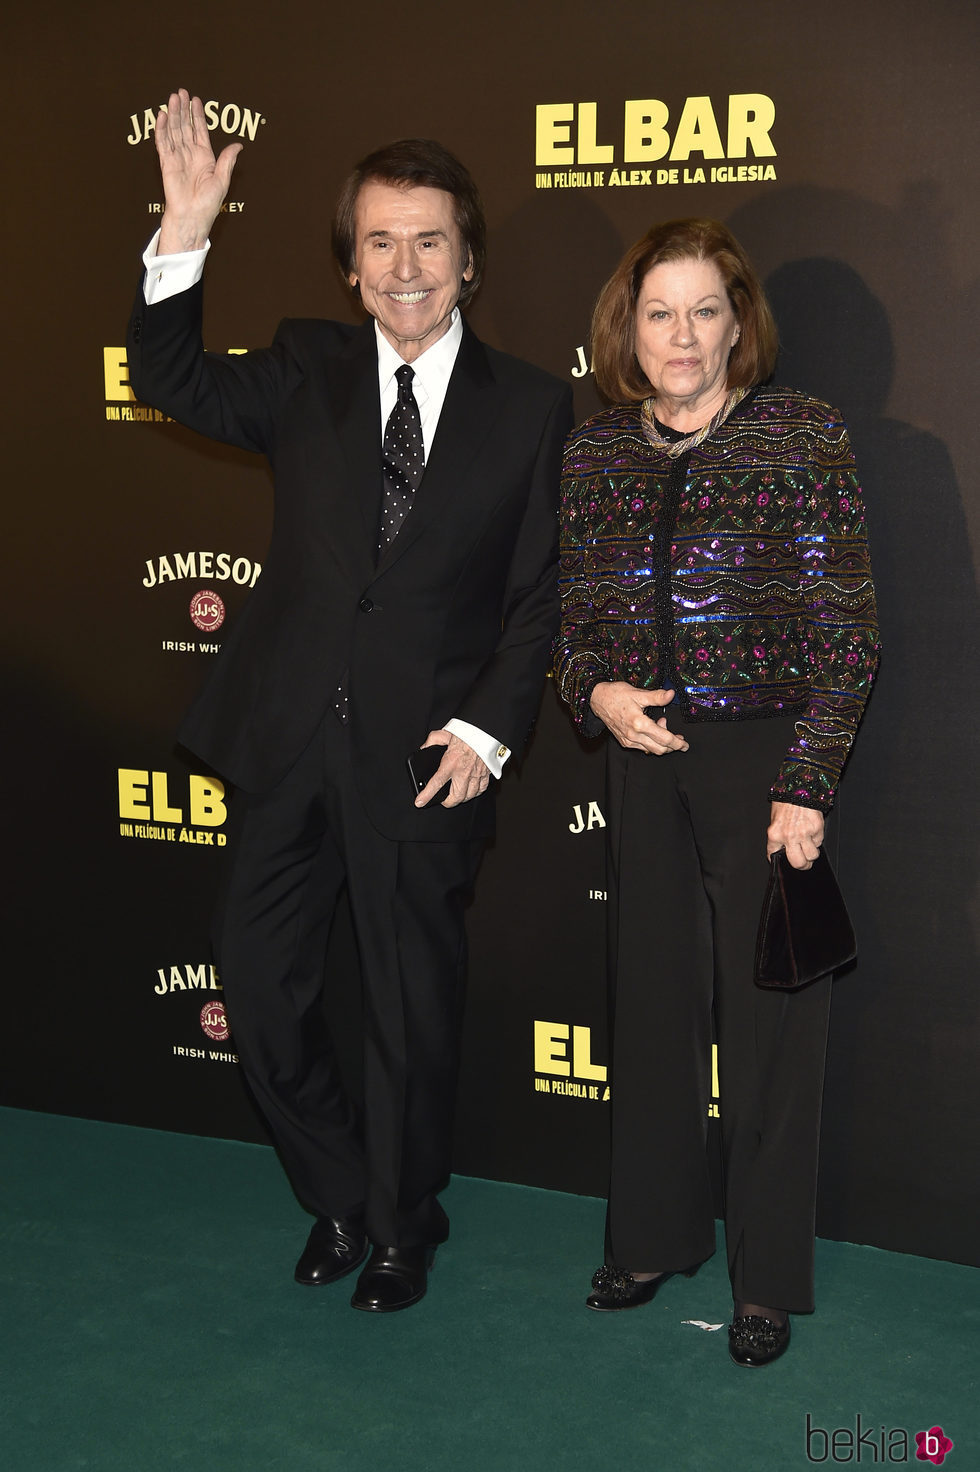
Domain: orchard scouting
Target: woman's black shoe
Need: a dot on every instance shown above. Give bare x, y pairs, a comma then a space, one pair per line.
753, 1341
614, 1288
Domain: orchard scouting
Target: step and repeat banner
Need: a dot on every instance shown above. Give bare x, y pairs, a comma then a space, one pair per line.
837, 145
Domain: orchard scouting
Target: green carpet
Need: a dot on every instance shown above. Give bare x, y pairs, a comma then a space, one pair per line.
151, 1322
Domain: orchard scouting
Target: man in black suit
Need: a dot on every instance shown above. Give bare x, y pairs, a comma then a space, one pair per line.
408, 598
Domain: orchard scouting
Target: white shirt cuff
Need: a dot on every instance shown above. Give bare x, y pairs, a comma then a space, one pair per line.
490, 751
169, 275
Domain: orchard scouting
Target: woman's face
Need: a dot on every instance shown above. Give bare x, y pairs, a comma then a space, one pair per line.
685, 330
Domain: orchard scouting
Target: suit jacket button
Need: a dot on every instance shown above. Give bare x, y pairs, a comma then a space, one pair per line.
137, 329
365, 605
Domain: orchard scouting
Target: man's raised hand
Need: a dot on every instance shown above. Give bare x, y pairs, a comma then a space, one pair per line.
194, 182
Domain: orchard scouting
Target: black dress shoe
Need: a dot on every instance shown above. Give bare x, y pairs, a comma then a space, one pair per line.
336, 1246
394, 1278
615, 1288
753, 1341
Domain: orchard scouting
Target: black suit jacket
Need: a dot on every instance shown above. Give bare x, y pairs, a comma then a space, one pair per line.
457, 617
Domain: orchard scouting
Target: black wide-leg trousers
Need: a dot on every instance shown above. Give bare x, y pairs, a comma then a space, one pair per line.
687, 876
294, 849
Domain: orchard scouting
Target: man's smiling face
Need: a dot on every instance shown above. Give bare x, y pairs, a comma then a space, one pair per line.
410, 263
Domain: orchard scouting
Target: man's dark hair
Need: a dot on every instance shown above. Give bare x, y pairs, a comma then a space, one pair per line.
414, 163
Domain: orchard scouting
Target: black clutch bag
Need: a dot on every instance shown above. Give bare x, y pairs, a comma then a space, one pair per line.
805, 930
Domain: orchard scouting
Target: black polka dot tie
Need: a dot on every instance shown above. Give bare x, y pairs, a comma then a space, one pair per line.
403, 458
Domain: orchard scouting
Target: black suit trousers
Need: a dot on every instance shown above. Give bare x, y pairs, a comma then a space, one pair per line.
294, 849
687, 875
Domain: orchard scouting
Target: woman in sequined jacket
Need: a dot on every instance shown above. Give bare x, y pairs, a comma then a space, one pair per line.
717, 614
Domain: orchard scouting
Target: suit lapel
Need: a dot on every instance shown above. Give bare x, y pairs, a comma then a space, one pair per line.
353, 399
467, 418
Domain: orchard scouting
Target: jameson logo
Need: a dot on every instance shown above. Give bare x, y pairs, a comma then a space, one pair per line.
586, 816
184, 978
582, 364
874, 1444
198, 565
214, 1021
223, 117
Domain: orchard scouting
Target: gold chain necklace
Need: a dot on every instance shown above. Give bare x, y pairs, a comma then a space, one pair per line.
680, 447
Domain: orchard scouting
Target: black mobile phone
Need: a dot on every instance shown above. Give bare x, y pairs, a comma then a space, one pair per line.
422, 767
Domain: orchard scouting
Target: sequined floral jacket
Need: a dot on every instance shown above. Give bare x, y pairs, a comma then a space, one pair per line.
735, 571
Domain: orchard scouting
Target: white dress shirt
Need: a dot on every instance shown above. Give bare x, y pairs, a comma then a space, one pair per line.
433, 370
166, 276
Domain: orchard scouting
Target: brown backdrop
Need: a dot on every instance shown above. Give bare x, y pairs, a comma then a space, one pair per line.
840, 142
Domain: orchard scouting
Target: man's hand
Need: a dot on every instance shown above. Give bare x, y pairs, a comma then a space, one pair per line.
620, 707
194, 184
798, 830
461, 766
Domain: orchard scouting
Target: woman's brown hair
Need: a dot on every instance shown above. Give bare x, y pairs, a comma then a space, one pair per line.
619, 376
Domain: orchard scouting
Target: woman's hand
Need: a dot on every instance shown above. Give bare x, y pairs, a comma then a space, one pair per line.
620, 707
798, 830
